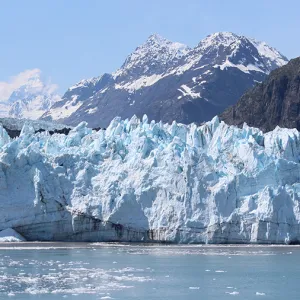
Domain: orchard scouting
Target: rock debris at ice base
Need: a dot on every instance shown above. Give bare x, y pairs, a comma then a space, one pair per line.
150, 181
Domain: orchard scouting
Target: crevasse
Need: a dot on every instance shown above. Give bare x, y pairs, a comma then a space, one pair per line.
152, 182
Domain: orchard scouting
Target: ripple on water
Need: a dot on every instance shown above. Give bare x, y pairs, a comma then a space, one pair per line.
64, 278
77, 276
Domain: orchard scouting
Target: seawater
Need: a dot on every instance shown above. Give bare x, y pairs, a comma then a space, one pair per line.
121, 271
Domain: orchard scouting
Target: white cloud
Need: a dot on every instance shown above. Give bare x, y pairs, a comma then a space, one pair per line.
7, 87
51, 88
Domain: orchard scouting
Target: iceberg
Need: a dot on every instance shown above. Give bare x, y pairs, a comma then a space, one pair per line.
144, 181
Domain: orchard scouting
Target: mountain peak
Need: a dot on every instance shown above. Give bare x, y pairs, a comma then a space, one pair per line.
85, 83
156, 52
224, 38
156, 38
228, 49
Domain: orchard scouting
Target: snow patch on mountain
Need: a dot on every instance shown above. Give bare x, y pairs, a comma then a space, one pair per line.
66, 109
271, 55
187, 91
245, 69
139, 83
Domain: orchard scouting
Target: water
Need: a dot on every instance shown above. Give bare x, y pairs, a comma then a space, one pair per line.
110, 271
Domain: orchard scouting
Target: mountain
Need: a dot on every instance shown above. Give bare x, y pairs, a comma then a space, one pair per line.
76, 96
275, 102
31, 100
143, 181
170, 81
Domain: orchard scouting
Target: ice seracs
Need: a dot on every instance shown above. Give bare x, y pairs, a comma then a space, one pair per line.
146, 181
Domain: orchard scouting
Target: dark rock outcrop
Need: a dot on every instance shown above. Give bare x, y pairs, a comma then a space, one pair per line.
275, 102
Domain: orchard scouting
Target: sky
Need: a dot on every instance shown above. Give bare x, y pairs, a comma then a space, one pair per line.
69, 40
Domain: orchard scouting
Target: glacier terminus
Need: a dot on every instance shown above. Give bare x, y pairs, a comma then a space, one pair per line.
144, 181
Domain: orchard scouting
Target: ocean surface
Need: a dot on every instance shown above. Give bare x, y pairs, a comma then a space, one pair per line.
121, 271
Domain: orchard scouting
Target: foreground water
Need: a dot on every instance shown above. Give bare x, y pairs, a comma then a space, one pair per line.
108, 271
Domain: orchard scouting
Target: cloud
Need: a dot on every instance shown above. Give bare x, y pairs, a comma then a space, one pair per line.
7, 87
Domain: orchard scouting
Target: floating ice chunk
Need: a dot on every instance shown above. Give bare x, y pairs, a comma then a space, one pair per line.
11, 294
233, 293
220, 271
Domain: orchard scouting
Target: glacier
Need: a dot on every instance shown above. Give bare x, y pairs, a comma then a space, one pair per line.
143, 181
10, 236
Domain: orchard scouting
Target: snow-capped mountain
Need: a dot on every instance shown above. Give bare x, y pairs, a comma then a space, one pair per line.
31, 100
170, 81
155, 56
144, 181
77, 95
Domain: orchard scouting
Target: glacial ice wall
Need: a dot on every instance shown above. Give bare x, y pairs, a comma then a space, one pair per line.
147, 181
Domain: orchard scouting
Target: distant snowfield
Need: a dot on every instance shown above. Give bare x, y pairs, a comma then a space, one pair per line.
29, 96
152, 182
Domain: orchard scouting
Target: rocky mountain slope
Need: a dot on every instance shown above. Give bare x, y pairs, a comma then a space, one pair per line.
274, 102
170, 183
30, 100
170, 81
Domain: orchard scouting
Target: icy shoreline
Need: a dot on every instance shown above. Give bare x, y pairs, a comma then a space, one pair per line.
36, 245
152, 182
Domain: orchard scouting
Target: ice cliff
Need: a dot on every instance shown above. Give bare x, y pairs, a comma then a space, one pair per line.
147, 181
10, 236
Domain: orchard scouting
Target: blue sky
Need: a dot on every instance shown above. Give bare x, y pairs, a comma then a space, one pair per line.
69, 40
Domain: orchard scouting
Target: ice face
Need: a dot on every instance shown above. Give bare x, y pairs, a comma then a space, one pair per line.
17, 124
10, 235
147, 181
4, 138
